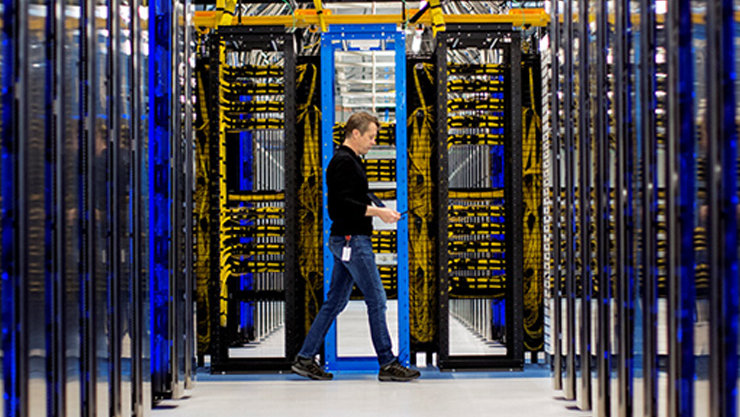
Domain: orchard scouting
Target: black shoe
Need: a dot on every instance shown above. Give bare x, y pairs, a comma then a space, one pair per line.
394, 371
310, 369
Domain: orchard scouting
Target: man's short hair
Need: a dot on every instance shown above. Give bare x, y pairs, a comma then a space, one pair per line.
360, 121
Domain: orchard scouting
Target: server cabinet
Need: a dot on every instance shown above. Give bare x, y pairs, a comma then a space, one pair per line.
140, 185
170, 197
74, 197
253, 277
667, 92
7, 69
502, 130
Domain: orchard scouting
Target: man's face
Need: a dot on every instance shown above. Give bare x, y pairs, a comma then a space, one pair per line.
365, 141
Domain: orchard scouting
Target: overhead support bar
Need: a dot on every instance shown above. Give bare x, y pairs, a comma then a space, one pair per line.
518, 18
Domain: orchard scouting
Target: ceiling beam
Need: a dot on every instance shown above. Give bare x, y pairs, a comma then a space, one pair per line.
308, 17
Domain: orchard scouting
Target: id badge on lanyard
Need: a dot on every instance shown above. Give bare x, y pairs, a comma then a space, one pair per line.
346, 250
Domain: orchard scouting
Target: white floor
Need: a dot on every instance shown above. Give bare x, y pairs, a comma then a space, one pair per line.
273, 346
464, 342
360, 394
353, 329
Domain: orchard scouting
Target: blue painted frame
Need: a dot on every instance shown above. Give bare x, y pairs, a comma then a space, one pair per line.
391, 34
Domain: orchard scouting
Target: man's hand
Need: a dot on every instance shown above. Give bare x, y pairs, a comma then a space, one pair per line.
387, 215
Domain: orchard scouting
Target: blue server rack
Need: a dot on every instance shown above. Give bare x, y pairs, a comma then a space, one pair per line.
723, 204
170, 197
160, 88
74, 188
8, 275
670, 88
393, 36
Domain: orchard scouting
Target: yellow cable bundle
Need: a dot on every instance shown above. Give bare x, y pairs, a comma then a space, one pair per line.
422, 282
477, 195
202, 209
227, 8
438, 17
222, 196
320, 13
532, 190
309, 194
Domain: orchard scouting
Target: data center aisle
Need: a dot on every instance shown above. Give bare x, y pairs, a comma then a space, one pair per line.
360, 394
507, 394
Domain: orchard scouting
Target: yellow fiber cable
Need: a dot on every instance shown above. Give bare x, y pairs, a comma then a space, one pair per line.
202, 209
320, 13
226, 8
422, 275
309, 194
532, 174
222, 195
438, 18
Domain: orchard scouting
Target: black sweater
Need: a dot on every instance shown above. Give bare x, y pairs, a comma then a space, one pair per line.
346, 182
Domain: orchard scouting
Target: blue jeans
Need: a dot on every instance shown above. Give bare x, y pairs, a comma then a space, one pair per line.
361, 270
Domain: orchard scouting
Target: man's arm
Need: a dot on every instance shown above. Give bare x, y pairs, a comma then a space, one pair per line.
386, 214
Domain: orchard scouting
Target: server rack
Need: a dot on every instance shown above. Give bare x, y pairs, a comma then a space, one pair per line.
245, 38
462, 36
423, 148
603, 275
160, 195
14, 205
61, 365
74, 193
583, 204
667, 100
533, 116
551, 202
623, 212
680, 197
722, 215
170, 195
569, 168
140, 268
309, 284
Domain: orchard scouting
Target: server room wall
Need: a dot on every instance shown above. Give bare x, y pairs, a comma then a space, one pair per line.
78, 181
641, 205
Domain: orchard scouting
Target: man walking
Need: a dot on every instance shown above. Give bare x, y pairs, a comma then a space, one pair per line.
351, 213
